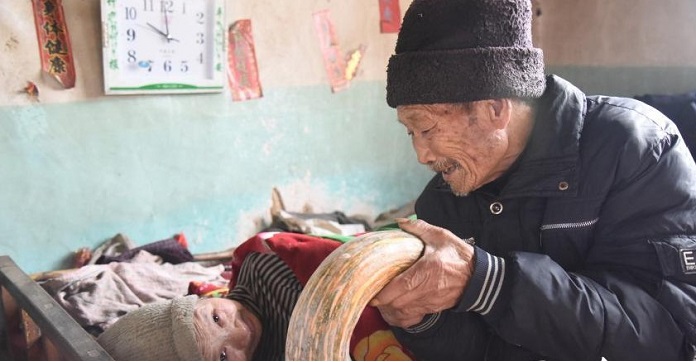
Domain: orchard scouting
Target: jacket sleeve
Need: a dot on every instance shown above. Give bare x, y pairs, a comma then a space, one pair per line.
581, 316
537, 306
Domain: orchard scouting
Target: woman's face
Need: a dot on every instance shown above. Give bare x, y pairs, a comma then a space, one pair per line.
225, 329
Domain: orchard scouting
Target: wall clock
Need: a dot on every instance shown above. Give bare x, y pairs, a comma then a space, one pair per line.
163, 46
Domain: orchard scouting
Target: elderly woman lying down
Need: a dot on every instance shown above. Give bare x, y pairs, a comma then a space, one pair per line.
252, 321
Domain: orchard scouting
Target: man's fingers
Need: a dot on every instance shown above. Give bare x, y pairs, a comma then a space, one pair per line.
416, 227
403, 317
403, 283
405, 289
433, 283
403, 322
390, 292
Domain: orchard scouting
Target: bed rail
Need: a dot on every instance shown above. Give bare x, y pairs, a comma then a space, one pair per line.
70, 339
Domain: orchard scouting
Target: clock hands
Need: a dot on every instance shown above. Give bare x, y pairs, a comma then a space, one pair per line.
166, 34
157, 30
166, 27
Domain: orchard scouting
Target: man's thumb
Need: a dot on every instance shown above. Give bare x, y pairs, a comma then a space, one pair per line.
412, 226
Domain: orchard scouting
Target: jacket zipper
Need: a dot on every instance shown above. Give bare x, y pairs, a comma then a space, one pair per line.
570, 225
566, 225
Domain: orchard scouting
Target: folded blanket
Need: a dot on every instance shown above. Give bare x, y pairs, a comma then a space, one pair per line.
97, 295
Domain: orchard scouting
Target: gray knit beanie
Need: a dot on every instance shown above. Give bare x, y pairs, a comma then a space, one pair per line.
451, 51
157, 331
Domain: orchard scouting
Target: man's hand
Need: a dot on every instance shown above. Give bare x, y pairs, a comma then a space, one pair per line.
433, 283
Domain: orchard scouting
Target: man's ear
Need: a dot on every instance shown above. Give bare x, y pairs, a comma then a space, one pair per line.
500, 111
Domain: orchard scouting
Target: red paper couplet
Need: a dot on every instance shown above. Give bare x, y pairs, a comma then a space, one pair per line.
389, 16
54, 41
242, 71
334, 61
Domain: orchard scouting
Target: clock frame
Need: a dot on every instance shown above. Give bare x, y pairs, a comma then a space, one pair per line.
163, 46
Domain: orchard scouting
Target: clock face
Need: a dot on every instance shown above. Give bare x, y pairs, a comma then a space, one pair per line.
163, 46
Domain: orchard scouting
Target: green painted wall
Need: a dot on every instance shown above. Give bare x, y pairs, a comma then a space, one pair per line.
75, 174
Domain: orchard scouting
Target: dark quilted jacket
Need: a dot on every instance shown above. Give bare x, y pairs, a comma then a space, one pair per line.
586, 249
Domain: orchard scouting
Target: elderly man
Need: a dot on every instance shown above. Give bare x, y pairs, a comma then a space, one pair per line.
558, 225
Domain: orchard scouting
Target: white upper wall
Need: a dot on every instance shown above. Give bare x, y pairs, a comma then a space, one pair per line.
571, 32
622, 33
287, 47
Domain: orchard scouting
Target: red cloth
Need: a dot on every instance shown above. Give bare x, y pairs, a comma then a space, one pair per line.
302, 253
372, 338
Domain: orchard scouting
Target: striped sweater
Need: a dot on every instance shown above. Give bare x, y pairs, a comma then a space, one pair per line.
268, 287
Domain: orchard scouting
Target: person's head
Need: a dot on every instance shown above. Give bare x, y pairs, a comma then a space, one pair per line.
461, 79
226, 330
185, 328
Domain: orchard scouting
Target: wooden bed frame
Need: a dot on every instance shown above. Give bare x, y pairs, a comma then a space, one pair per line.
33, 326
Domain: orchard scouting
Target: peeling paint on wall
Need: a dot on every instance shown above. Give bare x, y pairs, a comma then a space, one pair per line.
76, 174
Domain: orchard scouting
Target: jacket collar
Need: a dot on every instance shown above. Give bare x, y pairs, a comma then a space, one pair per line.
549, 164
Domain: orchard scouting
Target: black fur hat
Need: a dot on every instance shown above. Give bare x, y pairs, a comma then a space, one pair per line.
451, 51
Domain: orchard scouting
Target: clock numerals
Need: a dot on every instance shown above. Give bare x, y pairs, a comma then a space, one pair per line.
165, 6
131, 56
130, 34
167, 66
131, 13
145, 64
148, 5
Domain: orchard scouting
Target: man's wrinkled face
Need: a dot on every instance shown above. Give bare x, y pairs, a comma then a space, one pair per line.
225, 329
457, 141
